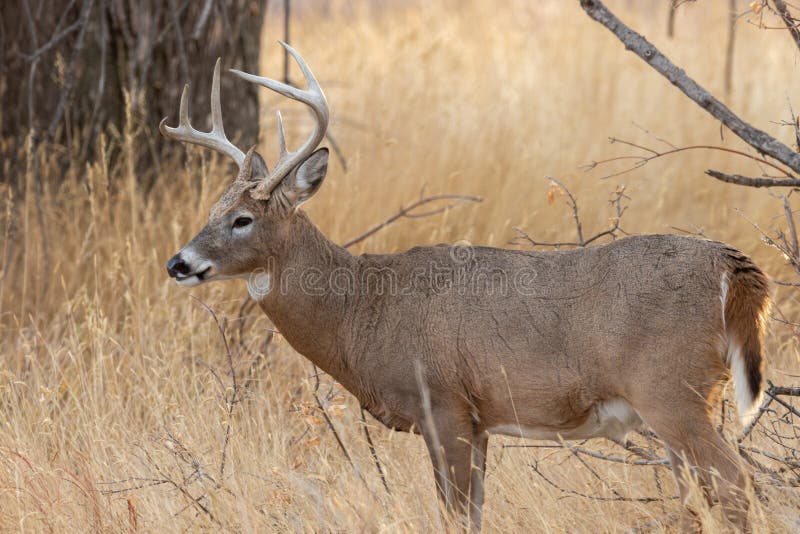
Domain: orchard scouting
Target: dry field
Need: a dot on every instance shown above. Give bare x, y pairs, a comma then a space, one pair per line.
110, 372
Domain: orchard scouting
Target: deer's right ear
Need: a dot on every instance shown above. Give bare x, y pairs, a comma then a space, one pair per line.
301, 185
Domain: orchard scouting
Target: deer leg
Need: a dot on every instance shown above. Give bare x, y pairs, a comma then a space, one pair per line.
450, 447
689, 521
692, 434
722, 476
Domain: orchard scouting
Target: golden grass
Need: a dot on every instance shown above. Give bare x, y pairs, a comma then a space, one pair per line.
104, 360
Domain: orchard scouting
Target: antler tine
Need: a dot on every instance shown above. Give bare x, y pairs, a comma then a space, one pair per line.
216, 107
215, 139
312, 97
281, 136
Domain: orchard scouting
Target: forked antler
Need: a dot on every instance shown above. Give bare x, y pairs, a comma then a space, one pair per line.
215, 139
312, 97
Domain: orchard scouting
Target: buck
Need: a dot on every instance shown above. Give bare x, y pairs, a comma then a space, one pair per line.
460, 343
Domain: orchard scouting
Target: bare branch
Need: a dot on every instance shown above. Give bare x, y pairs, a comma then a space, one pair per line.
523, 238
408, 212
752, 424
535, 467
183, 62
333, 430
776, 398
230, 400
69, 78
655, 154
792, 244
201, 20
55, 40
374, 453
788, 19
636, 43
748, 181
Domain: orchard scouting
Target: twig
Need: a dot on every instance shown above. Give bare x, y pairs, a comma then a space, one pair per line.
536, 470
374, 453
332, 428
523, 238
636, 43
594, 454
201, 20
573, 204
69, 78
101, 83
408, 212
182, 61
642, 160
752, 424
774, 394
230, 400
54, 40
792, 245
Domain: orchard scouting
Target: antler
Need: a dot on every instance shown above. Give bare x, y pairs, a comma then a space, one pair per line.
312, 97
215, 139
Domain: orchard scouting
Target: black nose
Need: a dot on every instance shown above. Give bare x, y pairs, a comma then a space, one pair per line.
176, 266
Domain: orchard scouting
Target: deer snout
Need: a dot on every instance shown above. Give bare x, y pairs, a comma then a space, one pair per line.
177, 267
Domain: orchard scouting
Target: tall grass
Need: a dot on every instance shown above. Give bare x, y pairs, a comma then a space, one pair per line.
110, 372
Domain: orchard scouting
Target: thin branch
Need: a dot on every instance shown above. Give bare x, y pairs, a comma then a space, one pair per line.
594, 454
408, 212
56, 39
332, 428
69, 77
573, 204
642, 160
636, 43
182, 61
780, 401
230, 400
374, 453
201, 20
523, 238
568, 491
752, 424
787, 211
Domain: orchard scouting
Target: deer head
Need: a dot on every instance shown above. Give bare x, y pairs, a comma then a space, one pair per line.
253, 215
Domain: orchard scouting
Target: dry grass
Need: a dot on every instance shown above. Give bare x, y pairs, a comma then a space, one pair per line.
104, 370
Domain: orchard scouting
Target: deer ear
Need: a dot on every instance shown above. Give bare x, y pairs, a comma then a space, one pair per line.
307, 178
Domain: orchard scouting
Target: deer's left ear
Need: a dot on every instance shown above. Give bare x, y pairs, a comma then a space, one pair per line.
254, 168
301, 185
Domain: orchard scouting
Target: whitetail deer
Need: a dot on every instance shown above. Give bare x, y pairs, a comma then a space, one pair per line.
460, 343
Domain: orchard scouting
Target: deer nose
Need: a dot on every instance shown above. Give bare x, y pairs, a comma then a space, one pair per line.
176, 266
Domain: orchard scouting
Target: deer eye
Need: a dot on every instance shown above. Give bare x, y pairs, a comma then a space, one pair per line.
241, 222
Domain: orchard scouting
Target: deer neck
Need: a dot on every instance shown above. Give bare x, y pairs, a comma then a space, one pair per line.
299, 298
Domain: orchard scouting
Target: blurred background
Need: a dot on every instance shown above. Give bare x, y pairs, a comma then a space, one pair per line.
110, 400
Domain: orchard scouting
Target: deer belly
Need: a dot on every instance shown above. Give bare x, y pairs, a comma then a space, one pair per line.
612, 418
